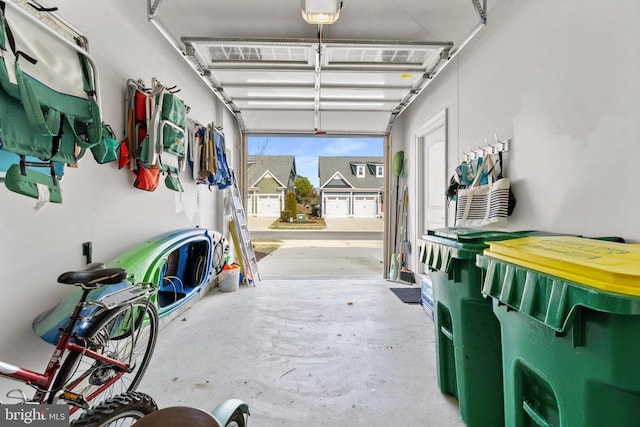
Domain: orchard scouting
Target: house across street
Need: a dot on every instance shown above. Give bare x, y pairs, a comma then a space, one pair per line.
351, 186
269, 179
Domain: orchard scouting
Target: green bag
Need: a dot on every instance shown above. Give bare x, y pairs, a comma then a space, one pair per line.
30, 183
173, 182
172, 140
107, 150
19, 137
143, 155
173, 109
53, 82
170, 165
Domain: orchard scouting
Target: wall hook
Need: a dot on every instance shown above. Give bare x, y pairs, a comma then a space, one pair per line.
501, 145
87, 251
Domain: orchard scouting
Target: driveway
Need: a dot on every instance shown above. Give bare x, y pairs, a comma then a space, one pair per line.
353, 254
315, 235
333, 224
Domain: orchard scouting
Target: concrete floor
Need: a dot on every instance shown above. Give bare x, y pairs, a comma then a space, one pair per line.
321, 340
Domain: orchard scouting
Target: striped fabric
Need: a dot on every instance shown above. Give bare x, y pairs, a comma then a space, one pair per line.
483, 206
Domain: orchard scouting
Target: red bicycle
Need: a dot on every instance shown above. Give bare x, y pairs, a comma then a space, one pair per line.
109, 357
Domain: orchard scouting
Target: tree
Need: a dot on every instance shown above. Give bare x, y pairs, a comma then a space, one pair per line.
304, 188
290, 203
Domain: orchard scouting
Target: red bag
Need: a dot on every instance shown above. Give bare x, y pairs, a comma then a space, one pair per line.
142, 133
141, 106
123, 154
147, 178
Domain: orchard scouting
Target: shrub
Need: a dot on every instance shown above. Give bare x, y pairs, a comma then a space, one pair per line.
291, 204
286, 216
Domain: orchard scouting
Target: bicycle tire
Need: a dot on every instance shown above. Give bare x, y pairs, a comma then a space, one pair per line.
121, 410
109, 335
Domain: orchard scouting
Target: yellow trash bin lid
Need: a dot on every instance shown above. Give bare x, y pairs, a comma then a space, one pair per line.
608, 266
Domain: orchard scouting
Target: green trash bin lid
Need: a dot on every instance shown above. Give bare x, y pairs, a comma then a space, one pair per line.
547, 277
444, 244
603, 265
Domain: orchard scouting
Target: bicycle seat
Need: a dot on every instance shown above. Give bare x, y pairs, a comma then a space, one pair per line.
94, 275
178, 416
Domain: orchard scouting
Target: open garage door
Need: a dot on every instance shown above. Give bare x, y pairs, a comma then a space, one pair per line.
336, 206
365, 206
269, 205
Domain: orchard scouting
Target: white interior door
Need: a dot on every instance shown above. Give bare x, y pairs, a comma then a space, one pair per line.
435, 179
431, 146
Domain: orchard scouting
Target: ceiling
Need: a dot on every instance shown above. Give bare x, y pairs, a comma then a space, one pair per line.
280, 75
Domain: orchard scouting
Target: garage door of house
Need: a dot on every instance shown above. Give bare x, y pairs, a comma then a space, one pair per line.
365, 206
268, 205
336, 206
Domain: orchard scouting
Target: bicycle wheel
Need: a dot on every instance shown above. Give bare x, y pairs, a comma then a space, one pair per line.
121, 410
127, 334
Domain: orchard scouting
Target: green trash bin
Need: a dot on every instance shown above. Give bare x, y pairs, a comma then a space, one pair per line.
569, 310
468, 346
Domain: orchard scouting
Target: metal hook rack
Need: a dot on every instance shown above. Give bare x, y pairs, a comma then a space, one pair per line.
490, 148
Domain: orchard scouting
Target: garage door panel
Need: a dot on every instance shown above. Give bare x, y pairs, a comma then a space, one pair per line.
268, 205
336, 206
365, 206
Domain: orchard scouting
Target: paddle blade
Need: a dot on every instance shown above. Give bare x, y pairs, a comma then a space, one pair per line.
394, 268
398, 162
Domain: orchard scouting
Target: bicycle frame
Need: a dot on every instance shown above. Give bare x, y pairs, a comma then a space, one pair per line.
42, 381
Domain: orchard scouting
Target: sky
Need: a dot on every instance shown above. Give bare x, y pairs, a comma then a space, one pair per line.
307, 149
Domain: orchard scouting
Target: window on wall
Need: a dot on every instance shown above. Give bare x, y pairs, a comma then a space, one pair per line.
379, 171
360, 171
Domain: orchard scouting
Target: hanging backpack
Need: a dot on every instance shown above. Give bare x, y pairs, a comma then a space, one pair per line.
222, 175
167, 134
47, 83
50, 113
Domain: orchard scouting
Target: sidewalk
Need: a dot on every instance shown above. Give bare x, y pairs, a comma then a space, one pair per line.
333, 224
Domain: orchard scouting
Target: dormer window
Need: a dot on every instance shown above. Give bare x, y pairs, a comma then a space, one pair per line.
379, 171
360, 171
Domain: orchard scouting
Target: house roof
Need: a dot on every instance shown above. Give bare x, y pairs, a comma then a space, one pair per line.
279, 166
337, 172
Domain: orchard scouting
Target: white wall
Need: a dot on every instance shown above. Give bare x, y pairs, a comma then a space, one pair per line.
100, 204
561, 79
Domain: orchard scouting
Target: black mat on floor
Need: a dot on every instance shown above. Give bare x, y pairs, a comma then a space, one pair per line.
408, 295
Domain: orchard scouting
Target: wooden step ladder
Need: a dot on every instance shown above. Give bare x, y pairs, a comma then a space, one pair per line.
239, 229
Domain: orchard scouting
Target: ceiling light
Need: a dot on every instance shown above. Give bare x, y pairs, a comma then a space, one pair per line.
321, 11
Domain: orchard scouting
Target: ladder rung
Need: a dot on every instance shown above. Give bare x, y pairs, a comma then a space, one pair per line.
248, 257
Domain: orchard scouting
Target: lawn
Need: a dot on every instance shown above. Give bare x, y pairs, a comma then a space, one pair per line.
263, 247
312, 223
